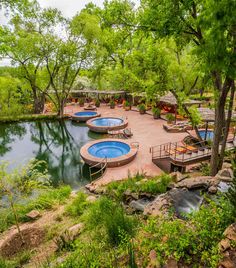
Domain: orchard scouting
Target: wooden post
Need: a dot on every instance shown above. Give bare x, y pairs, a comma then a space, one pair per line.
206, 130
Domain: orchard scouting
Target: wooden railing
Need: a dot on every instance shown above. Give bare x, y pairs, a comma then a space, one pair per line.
180, 152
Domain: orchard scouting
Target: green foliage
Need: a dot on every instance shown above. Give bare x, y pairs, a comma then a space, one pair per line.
46, 199
78, 205
139, 184
97, 103
142, 108
109, 221
231, 195
156, 111
112, 103
89, 255
194, 241
127, 104
170, 118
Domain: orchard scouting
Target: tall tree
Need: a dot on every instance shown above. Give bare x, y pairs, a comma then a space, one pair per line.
25, 41
70, 54
210, 27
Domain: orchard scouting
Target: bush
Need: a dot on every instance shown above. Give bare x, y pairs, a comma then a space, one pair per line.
156, 112
142, 108
97, 103
170, 118
112, 103
108, 218
194, 241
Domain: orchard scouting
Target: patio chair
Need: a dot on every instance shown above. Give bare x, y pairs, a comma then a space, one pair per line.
127, 133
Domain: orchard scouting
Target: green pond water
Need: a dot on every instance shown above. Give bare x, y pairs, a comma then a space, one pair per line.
58, 143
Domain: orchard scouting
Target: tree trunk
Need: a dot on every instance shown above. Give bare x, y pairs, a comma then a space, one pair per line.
61, 108
16, 220
39, 102
227, 126
219, 125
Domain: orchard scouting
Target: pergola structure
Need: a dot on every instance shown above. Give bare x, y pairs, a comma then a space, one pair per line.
171, 100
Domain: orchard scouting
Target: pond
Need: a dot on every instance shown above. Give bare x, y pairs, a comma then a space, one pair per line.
58, 143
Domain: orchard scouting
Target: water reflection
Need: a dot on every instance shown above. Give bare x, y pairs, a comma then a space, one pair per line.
56, 142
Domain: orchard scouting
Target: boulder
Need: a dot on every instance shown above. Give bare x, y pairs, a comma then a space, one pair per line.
227, 262
130, 195
212, 189
158, 206
230, 232
177, 176
226, 172
197, 182
71, 233
33, 214
224, 245
226, 165
153, 263
137, 206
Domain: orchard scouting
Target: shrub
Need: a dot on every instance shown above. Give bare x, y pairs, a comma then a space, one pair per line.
142, 108
193, 241
112, 103
108, 218
97, 103
170, 118
156, 112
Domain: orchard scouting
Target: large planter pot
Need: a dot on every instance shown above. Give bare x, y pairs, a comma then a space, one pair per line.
112, 107
142, 112
156, 116
127, 108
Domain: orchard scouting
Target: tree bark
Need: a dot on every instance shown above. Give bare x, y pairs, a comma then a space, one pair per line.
219, 122
227, 126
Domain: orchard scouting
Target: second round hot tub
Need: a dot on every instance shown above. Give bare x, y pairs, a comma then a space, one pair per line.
84, 116
105, 124
116, 152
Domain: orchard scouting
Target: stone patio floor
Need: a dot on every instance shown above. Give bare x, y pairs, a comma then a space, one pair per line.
146, 131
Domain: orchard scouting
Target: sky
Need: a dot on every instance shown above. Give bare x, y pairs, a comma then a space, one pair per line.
68, 8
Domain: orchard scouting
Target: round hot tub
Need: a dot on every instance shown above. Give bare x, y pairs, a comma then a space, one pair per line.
116, 152
105, 124
84, 116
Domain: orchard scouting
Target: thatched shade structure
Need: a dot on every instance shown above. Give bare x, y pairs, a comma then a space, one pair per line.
169, 98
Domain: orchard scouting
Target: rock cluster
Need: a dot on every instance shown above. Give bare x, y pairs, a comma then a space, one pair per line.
228, 248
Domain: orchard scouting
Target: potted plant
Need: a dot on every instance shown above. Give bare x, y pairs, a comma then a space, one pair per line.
81, 102
170, 118
127, 105
142, 108
97, 103
156, 112
112, 104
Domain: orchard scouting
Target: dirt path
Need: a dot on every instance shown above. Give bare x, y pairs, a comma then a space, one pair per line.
49, 221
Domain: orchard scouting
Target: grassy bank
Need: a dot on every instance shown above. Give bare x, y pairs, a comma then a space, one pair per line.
26, 117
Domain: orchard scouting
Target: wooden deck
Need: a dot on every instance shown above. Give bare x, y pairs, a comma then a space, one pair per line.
172, 156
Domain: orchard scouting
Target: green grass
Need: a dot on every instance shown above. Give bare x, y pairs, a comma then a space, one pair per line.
78, 205
139, 184
46, 200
